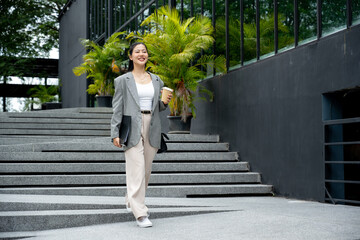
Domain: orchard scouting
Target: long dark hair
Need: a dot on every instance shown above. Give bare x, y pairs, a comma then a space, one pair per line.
131, 63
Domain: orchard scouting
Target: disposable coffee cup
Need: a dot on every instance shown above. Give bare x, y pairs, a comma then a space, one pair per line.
165, 93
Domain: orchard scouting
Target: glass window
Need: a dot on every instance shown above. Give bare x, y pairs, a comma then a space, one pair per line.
207, 12
197, 7
285, 24
208, 8
249, 31
266, 28
333, 16
186, 9
307, 21
94, 19
234, 34
103, 17
128, 10
356, 11
134, 24
97, 19
118, 14
220, 46
124, 12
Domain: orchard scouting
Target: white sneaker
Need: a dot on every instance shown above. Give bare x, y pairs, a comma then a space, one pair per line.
144, 222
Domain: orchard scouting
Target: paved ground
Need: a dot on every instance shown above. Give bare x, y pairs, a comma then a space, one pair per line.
232, 218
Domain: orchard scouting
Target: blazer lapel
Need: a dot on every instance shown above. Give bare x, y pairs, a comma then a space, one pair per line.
132, 88
156, 84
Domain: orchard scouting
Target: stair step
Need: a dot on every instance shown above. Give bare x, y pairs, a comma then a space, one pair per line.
93, 145
27, 139
85, 146
55, 219
29, 206
114, 156
48, 126
5, 141
193, 138
68, 151
59, 114
19, 121
64, 132
153, 191
27, 202
119, 167
175, 138
120, 179
98, 110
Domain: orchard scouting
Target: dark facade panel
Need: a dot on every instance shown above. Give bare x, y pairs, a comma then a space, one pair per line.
16, 90
271, 111
31, 67
73, 27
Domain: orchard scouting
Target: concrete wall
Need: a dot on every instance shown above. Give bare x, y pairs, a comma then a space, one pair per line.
72, 28
271, 111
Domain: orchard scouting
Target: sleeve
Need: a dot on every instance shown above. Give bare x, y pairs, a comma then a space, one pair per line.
162, 106
117, 104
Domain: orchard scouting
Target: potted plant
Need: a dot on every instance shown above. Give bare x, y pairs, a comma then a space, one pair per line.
46, 96
101, 65
175, 48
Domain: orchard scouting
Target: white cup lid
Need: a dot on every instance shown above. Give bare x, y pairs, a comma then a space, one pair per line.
169, 89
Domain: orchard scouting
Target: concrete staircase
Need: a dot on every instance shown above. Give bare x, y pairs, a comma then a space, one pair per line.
68, 153
54, 125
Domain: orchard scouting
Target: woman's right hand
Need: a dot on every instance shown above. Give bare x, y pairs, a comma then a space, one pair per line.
116, 142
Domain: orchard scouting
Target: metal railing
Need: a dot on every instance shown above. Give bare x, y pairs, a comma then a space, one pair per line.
109, 16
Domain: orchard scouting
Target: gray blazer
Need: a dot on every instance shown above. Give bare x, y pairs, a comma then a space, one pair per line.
126, 102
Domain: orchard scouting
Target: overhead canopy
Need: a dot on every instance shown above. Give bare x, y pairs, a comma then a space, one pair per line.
16, 90
25, 67
29, 67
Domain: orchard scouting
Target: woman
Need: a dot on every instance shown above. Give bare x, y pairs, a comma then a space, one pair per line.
137, 95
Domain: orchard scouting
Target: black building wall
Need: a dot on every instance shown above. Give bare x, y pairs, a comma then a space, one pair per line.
73, 26
271, 111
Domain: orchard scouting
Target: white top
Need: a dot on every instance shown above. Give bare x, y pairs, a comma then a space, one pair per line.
146, 95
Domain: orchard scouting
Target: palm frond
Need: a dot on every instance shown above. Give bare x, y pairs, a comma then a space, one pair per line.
175, 48
98, 63
78, 71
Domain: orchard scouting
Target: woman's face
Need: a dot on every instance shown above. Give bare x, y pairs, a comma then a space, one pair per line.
139, 55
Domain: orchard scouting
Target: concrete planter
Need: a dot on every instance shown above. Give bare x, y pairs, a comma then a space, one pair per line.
50, 105
176, 126
104, 101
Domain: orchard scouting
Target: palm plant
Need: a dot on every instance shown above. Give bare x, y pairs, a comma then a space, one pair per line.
101, 63
41, 94
175, 48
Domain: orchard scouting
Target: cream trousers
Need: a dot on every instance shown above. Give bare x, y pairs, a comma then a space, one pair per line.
138, 170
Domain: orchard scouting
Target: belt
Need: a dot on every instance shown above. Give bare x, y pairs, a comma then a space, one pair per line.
146, 111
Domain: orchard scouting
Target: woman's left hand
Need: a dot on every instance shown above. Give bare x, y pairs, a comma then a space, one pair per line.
168, 98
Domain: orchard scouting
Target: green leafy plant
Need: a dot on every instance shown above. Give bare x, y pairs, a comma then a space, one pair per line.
44, 93
175, 48
102, 63
41, 94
